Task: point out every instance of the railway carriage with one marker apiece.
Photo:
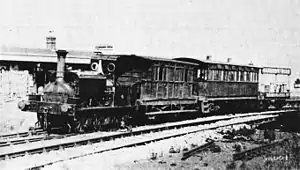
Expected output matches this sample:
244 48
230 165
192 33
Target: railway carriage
156 85
226 86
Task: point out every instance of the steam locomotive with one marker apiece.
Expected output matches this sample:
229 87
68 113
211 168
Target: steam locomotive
120 90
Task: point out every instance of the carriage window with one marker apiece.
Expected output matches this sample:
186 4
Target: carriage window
155 73
170 74
225 75
185 75
252 77
210 75
199 74
231 76
205 73
237 75
217 74
221 75
234 75
202 74
190 75
242 76
179 74
255 77
162 73
248 76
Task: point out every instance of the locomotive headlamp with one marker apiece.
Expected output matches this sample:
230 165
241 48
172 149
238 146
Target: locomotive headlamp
64 107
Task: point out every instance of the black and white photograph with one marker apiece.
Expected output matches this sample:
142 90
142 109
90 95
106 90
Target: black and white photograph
149 84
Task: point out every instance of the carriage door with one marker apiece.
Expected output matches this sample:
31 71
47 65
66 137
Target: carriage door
135 93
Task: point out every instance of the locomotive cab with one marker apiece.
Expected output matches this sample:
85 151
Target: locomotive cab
95 91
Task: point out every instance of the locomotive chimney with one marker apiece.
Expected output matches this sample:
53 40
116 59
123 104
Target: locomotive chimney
61 59
209 57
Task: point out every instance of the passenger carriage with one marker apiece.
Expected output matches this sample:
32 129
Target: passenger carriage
225 86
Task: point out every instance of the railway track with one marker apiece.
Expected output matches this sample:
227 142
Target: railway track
31 139
22 134
146 139
45 147
34 136
40 148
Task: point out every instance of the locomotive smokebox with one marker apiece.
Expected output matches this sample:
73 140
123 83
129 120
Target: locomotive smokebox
61 62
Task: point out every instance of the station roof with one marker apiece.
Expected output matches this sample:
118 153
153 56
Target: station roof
42 55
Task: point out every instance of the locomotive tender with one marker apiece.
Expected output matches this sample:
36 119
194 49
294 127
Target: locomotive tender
127 89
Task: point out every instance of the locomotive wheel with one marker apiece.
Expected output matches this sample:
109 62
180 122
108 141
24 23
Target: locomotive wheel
67 128
97 124
40 121
78 127
37 125
88 125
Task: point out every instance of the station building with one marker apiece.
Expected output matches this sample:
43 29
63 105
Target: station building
32 66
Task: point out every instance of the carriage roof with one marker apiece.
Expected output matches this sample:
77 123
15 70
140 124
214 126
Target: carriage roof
122 57
220 65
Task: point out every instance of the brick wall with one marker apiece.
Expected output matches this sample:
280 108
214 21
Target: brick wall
15 85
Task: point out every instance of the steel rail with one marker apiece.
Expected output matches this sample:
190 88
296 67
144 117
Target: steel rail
40 148
143 142
7 153
48 147
31 139
22 134
105 138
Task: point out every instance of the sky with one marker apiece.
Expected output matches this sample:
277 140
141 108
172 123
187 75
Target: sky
265 32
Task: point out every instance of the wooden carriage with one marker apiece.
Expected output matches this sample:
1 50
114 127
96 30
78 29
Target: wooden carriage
156 84
226 85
